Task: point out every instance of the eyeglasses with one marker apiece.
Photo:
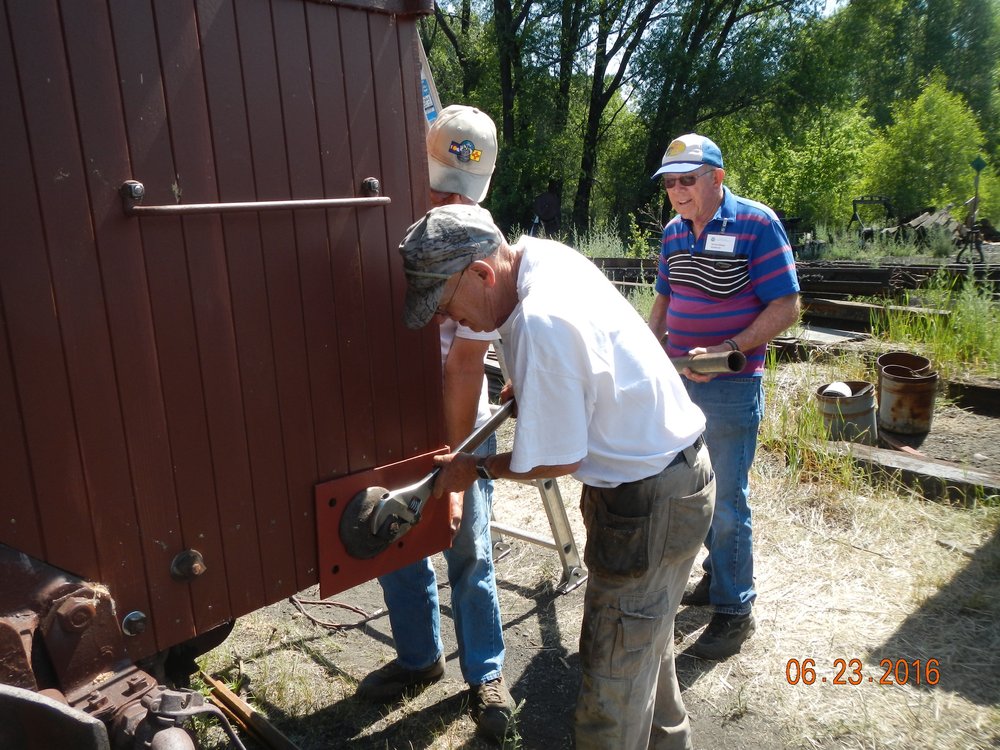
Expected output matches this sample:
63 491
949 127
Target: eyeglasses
443 309
687 180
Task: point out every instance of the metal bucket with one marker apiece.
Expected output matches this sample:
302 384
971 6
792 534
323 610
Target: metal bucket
850 418
915 362
906 403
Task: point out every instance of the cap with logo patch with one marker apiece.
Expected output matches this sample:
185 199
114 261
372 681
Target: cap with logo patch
687 153
462 151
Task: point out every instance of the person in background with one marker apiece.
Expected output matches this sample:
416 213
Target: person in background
726 282
596 398
461 154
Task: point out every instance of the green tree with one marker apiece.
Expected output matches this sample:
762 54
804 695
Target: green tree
896 44
813 172
709 59
923 157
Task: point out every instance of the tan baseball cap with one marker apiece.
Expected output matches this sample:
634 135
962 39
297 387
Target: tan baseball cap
462 151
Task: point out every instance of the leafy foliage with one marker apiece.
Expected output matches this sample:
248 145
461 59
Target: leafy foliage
881 96
812 173
923 158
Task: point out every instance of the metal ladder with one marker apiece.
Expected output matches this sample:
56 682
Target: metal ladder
574 572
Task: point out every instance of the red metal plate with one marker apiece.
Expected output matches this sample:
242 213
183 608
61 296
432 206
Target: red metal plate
338 571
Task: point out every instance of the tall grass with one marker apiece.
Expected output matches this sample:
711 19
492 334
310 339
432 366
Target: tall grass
603 242
844 244
966 341
641 298
793 424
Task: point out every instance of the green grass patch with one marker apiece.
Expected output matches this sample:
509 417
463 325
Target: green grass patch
964 342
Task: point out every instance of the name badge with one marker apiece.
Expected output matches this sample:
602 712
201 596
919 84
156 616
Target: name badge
720 243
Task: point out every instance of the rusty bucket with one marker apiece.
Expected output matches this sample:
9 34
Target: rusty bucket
906 401
850 418
915 362
919 365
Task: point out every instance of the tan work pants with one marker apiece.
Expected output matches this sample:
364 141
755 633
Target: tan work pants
642 538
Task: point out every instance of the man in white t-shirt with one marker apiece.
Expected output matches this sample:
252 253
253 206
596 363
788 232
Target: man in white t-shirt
461 155
598 399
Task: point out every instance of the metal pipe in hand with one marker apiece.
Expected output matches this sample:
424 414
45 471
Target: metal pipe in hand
712 362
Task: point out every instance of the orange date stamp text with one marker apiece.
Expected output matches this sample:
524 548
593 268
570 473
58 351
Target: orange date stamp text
852 672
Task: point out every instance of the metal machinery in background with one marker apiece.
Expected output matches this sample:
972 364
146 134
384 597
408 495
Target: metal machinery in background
199 326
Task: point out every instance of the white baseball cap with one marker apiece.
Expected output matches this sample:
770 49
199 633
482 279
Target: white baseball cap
688 152
462 151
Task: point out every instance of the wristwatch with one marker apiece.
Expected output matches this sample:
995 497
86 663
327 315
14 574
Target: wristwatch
481 469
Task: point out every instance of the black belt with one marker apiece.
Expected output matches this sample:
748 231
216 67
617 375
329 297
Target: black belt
694 448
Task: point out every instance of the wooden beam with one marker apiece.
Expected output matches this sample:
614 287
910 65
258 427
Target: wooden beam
247 716
936 479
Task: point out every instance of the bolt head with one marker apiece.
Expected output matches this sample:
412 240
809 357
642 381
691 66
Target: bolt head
76 614
134 623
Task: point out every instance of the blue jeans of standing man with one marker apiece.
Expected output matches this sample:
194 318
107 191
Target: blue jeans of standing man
411 595
733 409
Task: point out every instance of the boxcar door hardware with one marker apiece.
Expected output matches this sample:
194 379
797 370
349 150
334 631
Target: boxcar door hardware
134 623
132 193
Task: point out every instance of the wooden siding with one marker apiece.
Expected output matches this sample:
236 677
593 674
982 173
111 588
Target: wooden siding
183 382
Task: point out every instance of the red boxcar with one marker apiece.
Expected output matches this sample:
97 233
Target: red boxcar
177 376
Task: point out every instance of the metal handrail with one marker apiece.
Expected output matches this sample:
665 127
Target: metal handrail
132 193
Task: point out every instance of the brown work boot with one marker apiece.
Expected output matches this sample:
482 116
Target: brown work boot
389 682
492 708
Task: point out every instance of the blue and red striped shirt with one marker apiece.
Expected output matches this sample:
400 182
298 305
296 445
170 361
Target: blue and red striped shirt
719 283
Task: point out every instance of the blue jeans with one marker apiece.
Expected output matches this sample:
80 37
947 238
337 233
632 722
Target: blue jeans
411 595
733 408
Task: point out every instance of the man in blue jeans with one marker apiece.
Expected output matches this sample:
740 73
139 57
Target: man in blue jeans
726 282
461 153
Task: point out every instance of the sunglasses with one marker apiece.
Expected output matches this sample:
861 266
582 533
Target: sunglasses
687 180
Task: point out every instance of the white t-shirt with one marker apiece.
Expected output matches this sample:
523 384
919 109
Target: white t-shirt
449 331
591 381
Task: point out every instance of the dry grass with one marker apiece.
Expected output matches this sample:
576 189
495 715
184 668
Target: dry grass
846 570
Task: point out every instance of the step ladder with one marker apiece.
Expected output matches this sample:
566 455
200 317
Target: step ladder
574 572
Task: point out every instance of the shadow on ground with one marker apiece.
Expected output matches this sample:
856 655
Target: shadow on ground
957 628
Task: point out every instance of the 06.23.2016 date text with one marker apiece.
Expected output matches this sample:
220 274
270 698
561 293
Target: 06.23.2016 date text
852 672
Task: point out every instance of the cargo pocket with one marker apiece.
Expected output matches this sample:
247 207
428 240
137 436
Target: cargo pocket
688 522
620 644
617 545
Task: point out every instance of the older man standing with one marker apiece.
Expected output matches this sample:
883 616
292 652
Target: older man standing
597 398
726 282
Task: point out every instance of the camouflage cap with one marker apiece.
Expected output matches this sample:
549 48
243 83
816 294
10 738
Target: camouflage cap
444 242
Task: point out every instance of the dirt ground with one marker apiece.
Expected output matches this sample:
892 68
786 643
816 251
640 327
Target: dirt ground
849 574
841 576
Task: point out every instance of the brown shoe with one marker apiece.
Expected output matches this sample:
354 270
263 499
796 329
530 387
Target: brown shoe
492 708
389 682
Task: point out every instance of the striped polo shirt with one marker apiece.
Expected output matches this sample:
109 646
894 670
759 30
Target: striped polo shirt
719 283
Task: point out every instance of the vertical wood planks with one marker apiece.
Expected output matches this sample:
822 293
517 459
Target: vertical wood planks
183 382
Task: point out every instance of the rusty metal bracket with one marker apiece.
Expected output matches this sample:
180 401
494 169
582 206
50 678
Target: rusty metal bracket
168 709
133 191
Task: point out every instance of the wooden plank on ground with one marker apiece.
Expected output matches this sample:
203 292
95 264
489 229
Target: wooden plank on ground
861 312
821 336
936 479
